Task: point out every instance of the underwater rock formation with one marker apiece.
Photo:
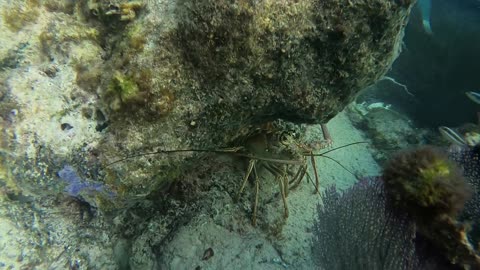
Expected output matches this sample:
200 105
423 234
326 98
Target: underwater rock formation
203 74
137 76
388 129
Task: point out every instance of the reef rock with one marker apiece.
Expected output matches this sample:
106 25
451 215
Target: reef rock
183 74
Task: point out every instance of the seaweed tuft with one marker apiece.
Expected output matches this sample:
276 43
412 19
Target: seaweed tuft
425 184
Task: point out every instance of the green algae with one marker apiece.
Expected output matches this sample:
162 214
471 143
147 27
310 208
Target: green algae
21 13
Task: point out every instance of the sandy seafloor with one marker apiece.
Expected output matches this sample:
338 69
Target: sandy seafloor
220 224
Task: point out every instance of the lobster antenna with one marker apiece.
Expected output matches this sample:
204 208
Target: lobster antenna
336 148
168 152
341 165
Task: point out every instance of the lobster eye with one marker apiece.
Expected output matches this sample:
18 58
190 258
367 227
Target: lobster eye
284 138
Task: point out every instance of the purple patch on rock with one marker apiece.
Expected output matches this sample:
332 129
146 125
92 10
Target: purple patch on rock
75 183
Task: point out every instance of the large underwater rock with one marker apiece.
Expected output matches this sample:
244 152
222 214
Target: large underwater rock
166 75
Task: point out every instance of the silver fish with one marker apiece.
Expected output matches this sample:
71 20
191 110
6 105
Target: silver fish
452 136
474 96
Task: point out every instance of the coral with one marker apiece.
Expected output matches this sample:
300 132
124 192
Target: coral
355 230
424 183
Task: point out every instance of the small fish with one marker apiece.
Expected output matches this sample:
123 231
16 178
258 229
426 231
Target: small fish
425 10
452 136
474 96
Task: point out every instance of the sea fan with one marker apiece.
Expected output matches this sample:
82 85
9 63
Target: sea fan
468 158
356 230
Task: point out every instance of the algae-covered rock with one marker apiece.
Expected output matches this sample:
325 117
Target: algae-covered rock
18 14
136 76
207 73
388 128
